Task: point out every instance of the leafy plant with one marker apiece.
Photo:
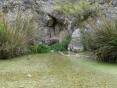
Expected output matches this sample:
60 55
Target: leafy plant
63 46
41 48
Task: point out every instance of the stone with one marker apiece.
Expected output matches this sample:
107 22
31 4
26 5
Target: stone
114 3
75 44
21 86
29 75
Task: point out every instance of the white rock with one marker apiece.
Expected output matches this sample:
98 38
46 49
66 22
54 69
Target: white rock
21 87
29 75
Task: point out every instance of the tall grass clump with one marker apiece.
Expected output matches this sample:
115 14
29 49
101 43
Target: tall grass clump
102 40
15 38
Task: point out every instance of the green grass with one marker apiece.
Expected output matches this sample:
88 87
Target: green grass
56 71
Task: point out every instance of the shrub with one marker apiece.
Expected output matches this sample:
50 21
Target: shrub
81 9
12 42
63 46
87 40
58 47
15 39
104 41
41 48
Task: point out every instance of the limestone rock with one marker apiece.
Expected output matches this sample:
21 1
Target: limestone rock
75 44
29 75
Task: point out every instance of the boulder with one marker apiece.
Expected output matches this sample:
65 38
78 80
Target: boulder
75 44
114 3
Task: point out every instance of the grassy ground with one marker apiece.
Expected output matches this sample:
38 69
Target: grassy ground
56 71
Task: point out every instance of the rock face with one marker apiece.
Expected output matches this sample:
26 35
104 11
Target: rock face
113 2
59 25
53 26
108 9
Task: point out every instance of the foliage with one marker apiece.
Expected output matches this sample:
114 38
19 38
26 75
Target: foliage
104 41
82 9
87 40
15 38
61 46
41 48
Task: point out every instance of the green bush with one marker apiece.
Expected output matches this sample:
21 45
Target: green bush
63 46
58 47
103 41
1 32
41 48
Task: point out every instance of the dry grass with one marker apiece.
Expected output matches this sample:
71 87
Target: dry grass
16 37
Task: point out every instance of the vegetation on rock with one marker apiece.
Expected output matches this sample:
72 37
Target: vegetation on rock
102 40
81 9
